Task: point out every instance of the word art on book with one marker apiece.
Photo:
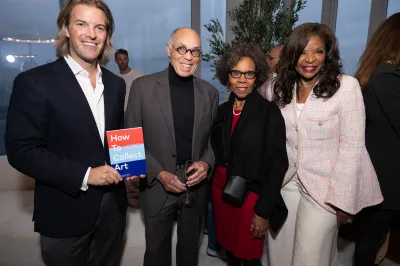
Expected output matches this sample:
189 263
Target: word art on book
126 147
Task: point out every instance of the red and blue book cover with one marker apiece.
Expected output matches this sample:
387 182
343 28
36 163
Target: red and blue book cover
126 147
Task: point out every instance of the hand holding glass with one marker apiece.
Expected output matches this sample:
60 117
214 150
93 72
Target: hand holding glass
187 199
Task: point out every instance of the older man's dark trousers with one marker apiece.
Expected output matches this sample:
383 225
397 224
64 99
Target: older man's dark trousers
159 233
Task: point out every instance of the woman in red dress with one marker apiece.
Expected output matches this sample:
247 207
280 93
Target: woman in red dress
248 138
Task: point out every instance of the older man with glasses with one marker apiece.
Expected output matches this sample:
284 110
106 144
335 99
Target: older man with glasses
176 111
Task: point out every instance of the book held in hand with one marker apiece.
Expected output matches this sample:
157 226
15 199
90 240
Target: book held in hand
126 147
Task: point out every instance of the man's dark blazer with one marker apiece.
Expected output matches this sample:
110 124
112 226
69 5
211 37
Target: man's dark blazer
382 103
51 136
149 106
256 150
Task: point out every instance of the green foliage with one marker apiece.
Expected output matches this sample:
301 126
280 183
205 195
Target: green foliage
263 22
217 44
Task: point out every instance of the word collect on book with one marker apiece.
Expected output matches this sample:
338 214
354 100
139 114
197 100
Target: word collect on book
126 148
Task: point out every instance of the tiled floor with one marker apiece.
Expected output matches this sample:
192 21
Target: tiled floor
346 250
19 244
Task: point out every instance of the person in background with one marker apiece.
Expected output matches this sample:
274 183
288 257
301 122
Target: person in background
129 75
330 176
55 133
176 111
272 58
379 76
126 72
214 249
248 138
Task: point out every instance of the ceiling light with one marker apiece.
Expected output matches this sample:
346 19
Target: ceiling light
10 58
10 39
24 56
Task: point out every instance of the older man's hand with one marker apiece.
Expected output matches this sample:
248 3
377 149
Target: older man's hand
201 169
171 182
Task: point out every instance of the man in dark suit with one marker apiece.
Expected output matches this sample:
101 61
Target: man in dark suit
176 111
382 139
55 133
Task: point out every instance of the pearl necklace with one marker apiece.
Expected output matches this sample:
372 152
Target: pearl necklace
301 106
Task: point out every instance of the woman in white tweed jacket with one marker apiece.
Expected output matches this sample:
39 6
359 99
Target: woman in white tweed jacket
330 175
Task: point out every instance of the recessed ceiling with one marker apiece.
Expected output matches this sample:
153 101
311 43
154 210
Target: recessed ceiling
36 19
32 19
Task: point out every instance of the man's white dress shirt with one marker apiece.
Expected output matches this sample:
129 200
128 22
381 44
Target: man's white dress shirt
95 99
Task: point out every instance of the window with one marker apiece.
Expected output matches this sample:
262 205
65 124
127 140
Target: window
393 7
352 31
311 12
211 9
143 29
21 19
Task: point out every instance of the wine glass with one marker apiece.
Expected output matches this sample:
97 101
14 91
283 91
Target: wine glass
187 199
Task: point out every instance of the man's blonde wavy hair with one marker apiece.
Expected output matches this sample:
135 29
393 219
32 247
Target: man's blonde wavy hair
63 20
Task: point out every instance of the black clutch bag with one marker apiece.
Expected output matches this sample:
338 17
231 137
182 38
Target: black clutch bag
235 191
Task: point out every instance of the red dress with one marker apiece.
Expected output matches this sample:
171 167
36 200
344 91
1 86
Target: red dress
232 225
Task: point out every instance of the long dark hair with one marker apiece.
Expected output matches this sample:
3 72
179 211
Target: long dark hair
286 69
384 46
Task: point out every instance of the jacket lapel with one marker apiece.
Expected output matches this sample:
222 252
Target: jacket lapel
198 112
164 101
248 108
69 83
226 137
108 97
308 105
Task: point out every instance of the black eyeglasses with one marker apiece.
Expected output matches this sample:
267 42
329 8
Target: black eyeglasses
196 52
237 74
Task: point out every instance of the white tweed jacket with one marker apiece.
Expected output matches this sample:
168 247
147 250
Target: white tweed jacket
326 147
